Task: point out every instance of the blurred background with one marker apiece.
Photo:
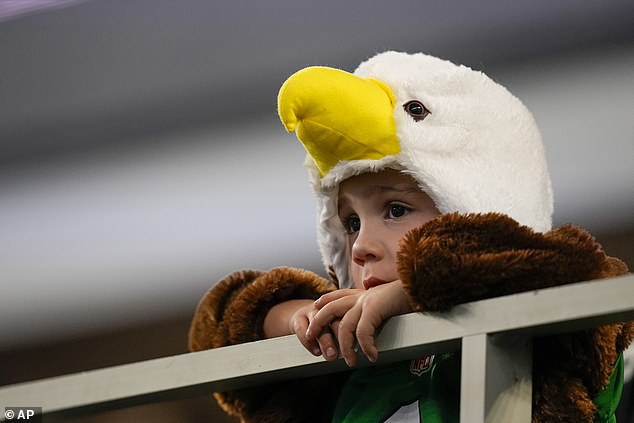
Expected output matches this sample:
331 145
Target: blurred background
141 158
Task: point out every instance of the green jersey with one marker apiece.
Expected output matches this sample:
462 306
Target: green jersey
427 390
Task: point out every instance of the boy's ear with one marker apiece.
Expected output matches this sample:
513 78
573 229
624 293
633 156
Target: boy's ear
333 276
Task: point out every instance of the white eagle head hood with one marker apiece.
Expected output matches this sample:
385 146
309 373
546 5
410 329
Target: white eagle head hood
469 143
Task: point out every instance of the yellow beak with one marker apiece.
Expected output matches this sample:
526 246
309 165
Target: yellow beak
338 116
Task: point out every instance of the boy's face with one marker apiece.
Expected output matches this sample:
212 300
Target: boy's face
377 210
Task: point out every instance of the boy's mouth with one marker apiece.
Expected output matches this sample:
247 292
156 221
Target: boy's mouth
372 282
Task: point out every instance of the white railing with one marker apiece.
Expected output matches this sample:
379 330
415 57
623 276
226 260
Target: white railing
494 335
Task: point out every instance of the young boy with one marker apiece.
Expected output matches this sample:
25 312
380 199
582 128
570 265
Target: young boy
376 211
432 190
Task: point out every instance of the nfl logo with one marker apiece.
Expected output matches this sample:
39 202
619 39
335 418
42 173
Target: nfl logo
418 366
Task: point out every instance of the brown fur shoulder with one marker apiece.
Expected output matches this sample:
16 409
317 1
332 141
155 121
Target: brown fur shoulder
233 311
205 330
459 258
245 315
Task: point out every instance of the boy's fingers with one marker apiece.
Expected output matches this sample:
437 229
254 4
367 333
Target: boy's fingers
328 346
299 327
311 346
369 323
328 314
334 327
332 296
347 335
324 344
365 337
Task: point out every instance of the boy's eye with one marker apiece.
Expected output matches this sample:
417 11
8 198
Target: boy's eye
396 210
352 224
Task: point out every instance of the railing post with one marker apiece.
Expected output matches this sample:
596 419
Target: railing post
496 381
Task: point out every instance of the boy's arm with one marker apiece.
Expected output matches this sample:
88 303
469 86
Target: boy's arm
279 319
233 312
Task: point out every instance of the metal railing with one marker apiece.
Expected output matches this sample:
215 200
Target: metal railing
494 336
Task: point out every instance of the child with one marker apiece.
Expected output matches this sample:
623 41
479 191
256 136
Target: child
432 190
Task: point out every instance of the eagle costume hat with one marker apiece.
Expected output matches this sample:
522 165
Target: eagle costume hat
476 151
472 146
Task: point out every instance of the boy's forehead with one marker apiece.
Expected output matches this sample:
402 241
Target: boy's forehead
368 184
386 180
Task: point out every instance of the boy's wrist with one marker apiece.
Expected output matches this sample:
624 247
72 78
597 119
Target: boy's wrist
277 321
404 303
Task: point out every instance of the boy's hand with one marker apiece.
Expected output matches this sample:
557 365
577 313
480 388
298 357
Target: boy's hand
355 315
323 343
292 317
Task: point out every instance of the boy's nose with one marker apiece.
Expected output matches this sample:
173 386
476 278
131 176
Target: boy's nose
366 247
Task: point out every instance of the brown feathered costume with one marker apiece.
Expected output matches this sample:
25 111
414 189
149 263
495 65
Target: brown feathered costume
476 151
450 260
